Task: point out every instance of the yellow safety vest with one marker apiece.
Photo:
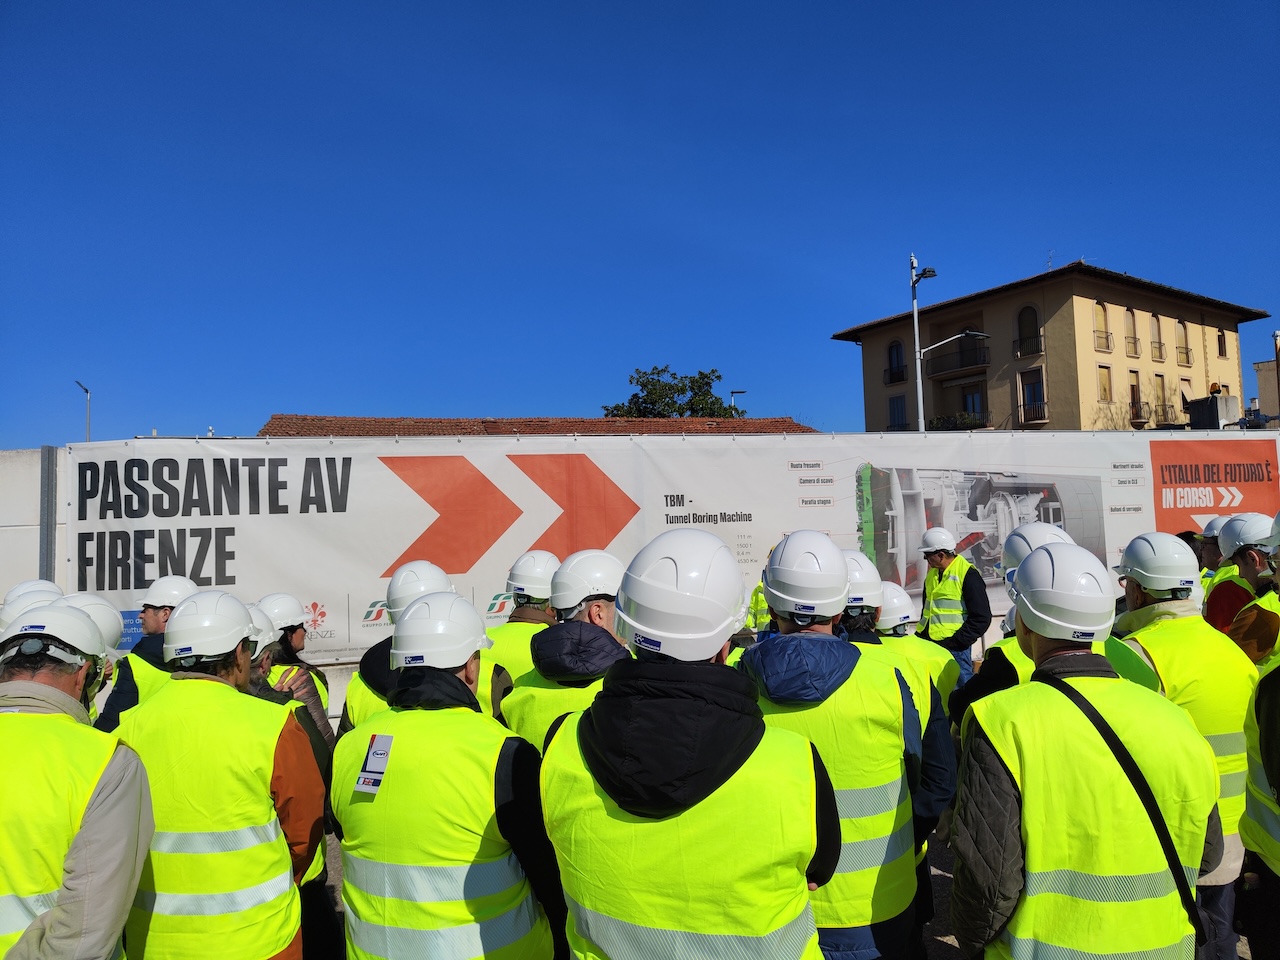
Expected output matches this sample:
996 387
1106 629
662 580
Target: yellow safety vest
287 670
943 611
147 678
876 878
757 609
362 703
218 880
1260 824
425 871
687 885
1226 572
511 646
1020 662
734 656
1096 880
50 764
941 665
1205 673
535 702
1268 601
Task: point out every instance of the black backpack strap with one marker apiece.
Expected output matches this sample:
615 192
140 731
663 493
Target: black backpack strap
1143 789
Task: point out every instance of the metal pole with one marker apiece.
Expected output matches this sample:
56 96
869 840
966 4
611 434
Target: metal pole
915 329
87 396
1276 338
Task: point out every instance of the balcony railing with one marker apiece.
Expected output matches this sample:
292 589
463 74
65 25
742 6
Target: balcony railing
1185 357
1139 411
1157 350
1028 347
1033 412
1102 341
1165 413
978 356
963 420
895 375
1132 347
899 428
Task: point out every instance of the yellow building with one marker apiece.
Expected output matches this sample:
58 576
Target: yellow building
1076 348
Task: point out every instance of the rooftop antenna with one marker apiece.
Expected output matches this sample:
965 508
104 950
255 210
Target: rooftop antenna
1049 263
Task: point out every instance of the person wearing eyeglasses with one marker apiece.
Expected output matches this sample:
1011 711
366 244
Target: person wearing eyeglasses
956 611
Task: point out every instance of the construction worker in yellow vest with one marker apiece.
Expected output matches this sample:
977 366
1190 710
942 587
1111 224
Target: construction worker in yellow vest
1244 569
858 710
1057 853
1202 671
644 791
1259 886
444 853
1207 550
893 626
77 809
289 672
141 671
369 686
529 583
955 612
570 658
238 799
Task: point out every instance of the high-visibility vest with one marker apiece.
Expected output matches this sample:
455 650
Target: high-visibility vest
1096 880
219 879
687 885
757 609
942 666
1228 572
287 670
511 646
943 611
425 872
1268 601
1260 824
876 878
362 702
147 678
535 702
1205 673
1206 578
50 764
1020 662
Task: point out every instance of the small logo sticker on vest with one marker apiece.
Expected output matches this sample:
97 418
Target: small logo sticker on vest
375 763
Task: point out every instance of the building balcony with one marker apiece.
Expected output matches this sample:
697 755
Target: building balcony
960 421
1185 357
895 375
1157 351
1028 347
1165 413
900 428
1103 341
1029 413
1132 347
1139 411
966 359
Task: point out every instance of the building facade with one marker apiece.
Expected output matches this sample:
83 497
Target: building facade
1076 348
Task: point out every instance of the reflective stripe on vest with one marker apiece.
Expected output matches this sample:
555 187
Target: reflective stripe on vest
943 610
535 702
425 871
50 765
1096 879
210 755
1204 672
1260 825
666 897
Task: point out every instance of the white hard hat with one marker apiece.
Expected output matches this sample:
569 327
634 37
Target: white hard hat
264 631
30 586
73 628
282 609
1213 528
205 626
1273 541
25 601
1064 593
1022 541
168 591
682 596
587 573
896 609
438 630
1162 564
937 538
412 580
806 576
531 574
104 614
865 588
1242 530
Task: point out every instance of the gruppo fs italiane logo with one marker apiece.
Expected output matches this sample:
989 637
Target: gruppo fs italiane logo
313 616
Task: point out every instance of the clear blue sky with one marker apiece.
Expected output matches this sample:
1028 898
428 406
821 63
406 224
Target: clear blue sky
212 212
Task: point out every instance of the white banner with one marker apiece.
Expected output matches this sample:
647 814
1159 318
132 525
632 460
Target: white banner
329 520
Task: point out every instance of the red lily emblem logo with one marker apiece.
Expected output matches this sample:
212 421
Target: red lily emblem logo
314 615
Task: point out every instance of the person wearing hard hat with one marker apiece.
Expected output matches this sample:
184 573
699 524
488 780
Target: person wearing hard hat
956 611
860 714
1207 550
289 672
77 807
1067 784
142 671
444 851
529 583
369 686
1244 568
893 626
643 792
238 799
1256 628
571 657
1202 671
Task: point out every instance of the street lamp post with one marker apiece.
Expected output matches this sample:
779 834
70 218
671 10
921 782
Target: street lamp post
86 409
1276 338
733 397
924 274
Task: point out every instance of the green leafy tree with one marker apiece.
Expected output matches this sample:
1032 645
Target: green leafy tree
662 393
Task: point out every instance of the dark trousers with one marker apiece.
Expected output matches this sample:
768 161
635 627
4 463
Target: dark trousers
1217 906
1256 914
322 935
965 659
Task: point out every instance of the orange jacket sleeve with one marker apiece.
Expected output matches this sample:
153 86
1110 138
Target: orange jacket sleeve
298 793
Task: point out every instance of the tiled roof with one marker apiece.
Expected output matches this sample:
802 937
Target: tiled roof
308 425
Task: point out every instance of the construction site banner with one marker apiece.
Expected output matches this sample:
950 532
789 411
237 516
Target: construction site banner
329 520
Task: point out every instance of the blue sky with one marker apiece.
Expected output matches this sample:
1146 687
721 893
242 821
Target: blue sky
212 212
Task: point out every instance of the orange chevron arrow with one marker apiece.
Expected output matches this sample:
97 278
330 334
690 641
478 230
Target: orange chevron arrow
473 513
594 507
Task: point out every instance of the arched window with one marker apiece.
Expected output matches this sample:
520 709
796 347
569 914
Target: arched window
1222 342
1028 343
1132 345
1157 339
1183 343
1101 332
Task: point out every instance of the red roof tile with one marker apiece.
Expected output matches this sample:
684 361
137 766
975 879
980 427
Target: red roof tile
308 425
